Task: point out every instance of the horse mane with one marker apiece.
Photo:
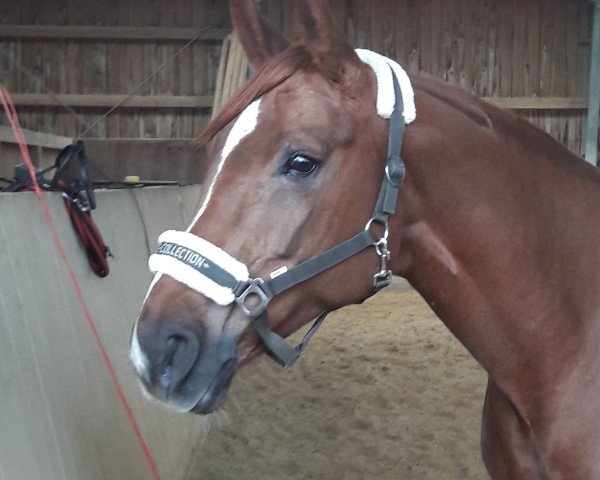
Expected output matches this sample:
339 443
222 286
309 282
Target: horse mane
490 117
453 95
273 73
276 71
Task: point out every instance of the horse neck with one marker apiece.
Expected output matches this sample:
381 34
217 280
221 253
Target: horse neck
495 216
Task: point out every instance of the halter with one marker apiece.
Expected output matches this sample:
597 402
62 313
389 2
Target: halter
205 267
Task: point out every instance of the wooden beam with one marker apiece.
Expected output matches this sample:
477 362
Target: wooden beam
35 139
539 103
93 32
206 101
99 100
593 118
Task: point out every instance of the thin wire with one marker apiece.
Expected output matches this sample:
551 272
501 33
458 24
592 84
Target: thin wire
149 77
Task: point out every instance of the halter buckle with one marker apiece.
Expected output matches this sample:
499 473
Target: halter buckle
397 172
254 289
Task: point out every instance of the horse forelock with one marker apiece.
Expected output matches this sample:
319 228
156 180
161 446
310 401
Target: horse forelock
297 58
272 74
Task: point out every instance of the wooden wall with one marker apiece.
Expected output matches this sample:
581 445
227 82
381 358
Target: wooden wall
493 48
111 66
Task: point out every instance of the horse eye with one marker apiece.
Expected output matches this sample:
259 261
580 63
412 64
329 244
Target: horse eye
300 166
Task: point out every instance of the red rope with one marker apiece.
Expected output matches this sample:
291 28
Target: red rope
18 133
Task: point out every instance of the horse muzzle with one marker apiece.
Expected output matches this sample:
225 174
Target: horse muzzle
180 367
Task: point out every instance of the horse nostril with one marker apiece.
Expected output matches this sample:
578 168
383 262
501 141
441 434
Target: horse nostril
174 344
179 353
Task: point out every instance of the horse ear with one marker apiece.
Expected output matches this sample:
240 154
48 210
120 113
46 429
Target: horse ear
320 33
260 39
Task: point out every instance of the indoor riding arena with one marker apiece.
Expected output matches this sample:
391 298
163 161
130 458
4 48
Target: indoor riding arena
104 103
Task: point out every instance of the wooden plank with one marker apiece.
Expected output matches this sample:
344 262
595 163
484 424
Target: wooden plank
192 101
561 72
447 32
400 22
93 32
363 35
505 46
435 38
150 159
548 66
593 118
35 139
468 75
412 35
228 87
221 74
539 103
493 80
181 77
99 100
519 51
533 54
425 36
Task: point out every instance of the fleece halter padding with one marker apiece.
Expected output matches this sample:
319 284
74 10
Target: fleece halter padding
386 98
199 264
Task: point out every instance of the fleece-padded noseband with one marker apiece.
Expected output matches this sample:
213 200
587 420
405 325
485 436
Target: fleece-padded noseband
199 264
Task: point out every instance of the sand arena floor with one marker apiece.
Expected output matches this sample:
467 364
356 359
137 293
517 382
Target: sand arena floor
384 391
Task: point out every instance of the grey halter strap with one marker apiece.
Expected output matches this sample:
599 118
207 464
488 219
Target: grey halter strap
253 296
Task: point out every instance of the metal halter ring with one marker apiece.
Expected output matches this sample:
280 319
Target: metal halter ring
384 223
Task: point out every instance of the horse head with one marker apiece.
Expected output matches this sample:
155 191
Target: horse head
298 156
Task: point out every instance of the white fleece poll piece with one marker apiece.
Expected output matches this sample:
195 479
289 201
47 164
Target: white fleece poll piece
386 98
191 249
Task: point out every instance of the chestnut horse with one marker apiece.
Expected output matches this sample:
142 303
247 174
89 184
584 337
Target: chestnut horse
493 227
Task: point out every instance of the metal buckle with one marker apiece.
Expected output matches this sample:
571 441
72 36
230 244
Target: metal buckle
384 276
254 288
396 177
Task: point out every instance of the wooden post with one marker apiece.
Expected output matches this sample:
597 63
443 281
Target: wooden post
221 75
593 118
585 35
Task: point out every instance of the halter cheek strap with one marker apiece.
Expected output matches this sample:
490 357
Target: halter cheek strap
214 273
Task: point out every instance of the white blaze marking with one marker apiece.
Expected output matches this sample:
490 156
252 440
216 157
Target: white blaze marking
244 126
137 356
